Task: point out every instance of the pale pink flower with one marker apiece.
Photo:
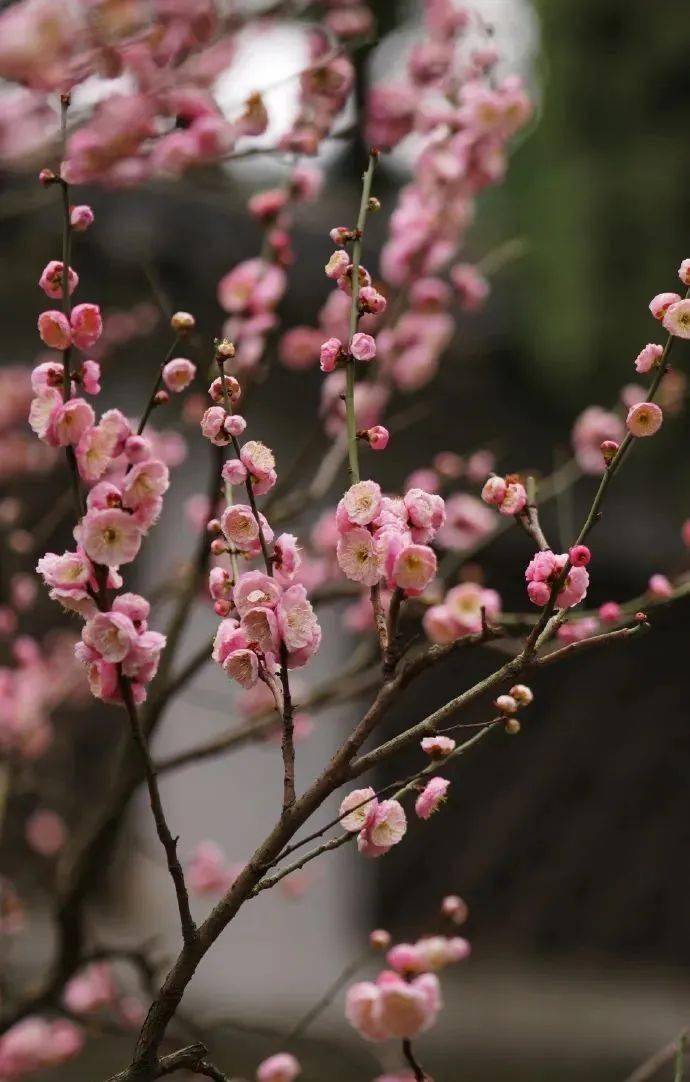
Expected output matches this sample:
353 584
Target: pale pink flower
468 520
261 629
506 704
54 329
70 571
45 832
118 428
409 1008
258 458
363 347
659 586
51 279
514 500
213 426
254 588
94 452
71 420
90 376
648 357
337 264
252 286
287 557
110 634
207 870
363 1011
242 666
229 636
644 419
414 568
283 1067
610 612
455 908
41 412
677 319
432 797
437 746
660 304
362 502
86 324
358 556
235 425
90 990
494 490
437 951
242 529
386 828
145 481
81 217
110 537
357 809
297 622
178 374
470 285
234 472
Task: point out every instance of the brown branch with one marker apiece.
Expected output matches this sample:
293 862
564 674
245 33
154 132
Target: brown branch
659 1059
417 1070
193 1058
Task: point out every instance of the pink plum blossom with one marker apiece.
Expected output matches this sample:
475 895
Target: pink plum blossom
282 1067
644 419
432 797
178 374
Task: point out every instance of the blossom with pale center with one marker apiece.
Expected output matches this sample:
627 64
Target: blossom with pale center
110 634
178 374
86 325
54 329
414 568
358 556
362 502
357 809
255 588
644 419
110 537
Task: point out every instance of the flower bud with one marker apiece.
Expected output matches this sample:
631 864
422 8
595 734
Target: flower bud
506 704
213 526
522 694
182 322
608 450
380 939
225 349
47 177
161 398
221 607
218 547
579 555
455 909
512 726
374 203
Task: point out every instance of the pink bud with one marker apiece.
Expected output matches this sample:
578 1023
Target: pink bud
580 555
81 217
660 304
378 437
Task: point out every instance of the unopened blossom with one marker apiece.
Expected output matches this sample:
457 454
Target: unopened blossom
648 357
506 704
514 500
110 537
494 490
363 347
455 908
51 280
431 798
414 568
178 374
232 387
522 694
358 556
378 437
545 569
81 217
54 329
684 272
659 586
235 425
265 206
677 319
331 350
234 472
357 809
579 555
380 939
371 301
644 419
283 1067
660 304
438 747
86 325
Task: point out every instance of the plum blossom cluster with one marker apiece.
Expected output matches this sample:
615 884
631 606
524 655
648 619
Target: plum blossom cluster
387 538
36 1044
268 623
567 571
505 493
405 999
165 61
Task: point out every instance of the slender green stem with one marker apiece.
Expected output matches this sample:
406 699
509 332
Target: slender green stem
352 450
157 383
679 1070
